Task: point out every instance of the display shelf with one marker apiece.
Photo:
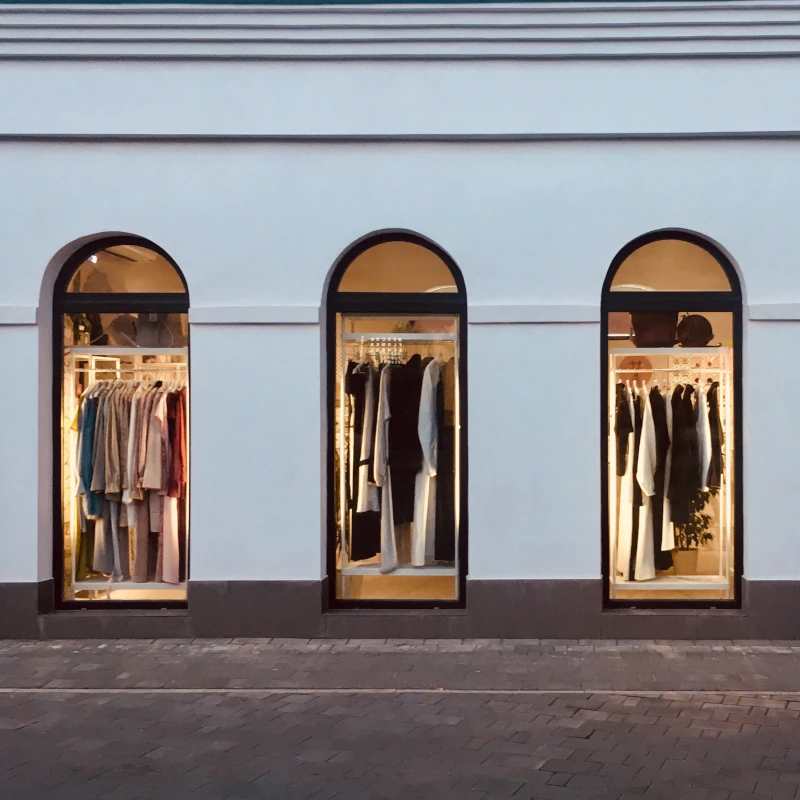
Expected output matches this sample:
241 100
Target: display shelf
112 352
102 586
667 351
406 571
673 583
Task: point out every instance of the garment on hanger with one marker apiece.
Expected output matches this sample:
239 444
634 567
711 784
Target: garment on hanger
681 482
691 406
131 464
662 559
623 427
703 438
625 433
361 384
667 529
399 434
445 544
423 538
405 451
643 566
638 419
714 476
368 494
383 471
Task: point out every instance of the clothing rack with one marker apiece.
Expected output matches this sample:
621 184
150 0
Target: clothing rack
693 372
384 343
101 351
400 337
89 362
176 367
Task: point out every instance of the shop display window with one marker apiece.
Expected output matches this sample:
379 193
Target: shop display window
396 426
123 428
672 349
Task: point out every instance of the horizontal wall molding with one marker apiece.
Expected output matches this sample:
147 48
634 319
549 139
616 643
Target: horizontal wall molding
743 28
201 138
774 312
254 315
532 314
17 315
490 314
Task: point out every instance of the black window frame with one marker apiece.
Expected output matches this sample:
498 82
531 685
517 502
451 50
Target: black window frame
405 304
731 302
65 302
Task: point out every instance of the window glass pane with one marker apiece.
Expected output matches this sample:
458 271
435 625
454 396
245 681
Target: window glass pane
126 268
671 456
125 508
135 329
397 479
670 265
398 267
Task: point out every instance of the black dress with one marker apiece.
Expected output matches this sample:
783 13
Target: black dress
405 450
637 490
693 480
662 558
684 480
714 478
623 427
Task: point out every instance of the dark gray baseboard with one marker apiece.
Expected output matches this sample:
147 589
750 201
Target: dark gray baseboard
116 624
526 609
20 604
535 609
256 608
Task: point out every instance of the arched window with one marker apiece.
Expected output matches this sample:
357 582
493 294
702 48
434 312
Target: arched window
396 418
671 349
121 345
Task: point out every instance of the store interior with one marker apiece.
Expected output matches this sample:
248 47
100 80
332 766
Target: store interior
671 438
397 435
124 434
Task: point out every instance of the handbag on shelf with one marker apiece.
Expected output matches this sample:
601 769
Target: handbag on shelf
654 328
694 330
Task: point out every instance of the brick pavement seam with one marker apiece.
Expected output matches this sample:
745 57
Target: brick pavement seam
672 694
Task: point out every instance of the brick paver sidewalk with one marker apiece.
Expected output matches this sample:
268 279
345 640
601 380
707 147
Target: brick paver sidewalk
438 720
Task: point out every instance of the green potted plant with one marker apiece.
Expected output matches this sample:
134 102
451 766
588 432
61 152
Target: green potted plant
696 532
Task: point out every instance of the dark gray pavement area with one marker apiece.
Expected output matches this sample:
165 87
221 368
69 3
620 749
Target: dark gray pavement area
293 719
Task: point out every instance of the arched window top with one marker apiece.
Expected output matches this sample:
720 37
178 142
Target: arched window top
398 266
671 262
124 268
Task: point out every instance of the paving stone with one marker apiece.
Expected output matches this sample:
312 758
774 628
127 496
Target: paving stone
327 720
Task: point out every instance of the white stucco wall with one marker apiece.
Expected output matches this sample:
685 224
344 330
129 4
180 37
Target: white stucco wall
535 224
256 225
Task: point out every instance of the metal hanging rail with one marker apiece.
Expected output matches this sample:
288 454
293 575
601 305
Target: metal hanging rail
396 338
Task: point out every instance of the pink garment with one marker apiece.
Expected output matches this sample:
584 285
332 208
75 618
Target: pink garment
169 546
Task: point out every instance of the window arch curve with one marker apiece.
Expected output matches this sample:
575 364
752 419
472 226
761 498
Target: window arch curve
396 387
121 358
671 354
